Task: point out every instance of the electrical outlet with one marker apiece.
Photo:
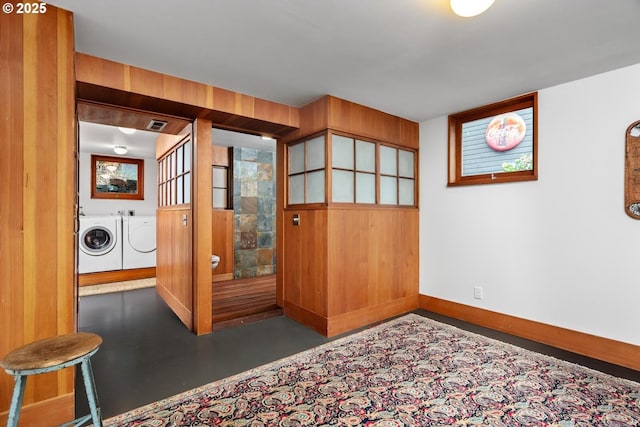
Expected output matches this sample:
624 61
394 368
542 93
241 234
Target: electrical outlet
477 292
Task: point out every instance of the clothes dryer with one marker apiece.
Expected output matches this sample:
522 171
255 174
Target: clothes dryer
139 242
99 243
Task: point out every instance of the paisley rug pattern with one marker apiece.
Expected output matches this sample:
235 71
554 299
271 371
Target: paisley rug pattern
410 371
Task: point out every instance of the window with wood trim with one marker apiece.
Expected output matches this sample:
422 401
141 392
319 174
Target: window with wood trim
361 172
494 143
306 171
174 176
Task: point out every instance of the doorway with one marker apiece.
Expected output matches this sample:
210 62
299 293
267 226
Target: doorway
244 228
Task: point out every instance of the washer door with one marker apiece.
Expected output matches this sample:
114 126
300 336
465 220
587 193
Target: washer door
97 241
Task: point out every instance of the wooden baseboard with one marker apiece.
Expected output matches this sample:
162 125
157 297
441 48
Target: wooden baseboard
221 277
101 277
356 319
184 314
50 412
338 324
616 352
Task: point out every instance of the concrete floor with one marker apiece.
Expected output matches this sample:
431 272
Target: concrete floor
148 355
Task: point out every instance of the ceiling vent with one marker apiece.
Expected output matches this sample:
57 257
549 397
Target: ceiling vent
156 125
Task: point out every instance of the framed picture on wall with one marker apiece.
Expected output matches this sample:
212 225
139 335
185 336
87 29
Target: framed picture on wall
495 143
117 178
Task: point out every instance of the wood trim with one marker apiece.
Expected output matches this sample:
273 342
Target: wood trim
308 318
201 201
338 114
183 313
221 277
632 172
109 82
98 278
355 319
616 352
50 412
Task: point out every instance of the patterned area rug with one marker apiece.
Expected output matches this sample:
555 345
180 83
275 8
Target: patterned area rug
410 371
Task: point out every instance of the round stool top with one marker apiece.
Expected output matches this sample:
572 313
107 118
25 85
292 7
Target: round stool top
50 352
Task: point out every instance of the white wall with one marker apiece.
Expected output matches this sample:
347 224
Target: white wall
559 250
107 207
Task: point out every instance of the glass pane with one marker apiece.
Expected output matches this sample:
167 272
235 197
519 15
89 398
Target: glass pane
220 177
296 189
315 153
406 192
172 160
179 199
365 188
388 160
405 163
220 198
388 190
315 187
365 156
342 186
187 156
179 159
187 188
342 152
172 192
296 158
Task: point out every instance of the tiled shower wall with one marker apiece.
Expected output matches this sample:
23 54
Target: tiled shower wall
254 204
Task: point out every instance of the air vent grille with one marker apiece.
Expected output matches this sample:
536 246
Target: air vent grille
156 125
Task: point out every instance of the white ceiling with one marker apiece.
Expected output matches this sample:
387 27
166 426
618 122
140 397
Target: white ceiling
411 58
100 139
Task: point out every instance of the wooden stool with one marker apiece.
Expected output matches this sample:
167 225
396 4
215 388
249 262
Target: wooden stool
48 355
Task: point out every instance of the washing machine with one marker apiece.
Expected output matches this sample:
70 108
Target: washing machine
99 243
138 241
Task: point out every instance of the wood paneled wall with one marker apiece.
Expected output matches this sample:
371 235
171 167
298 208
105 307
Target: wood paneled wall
338 114
109 82
346 267
38 179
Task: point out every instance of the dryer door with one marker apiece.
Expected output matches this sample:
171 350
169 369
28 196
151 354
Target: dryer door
142 236
97 241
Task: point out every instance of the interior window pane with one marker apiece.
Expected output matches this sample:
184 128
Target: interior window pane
315 187
365 188
342 186
220 198
405 163
220 177
187 156
296 189
342 152
296 158
179 159
187 188
388 190
388 162
315 153
179 198
405 193
365 156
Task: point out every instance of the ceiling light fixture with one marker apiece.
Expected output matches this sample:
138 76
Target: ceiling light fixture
468 8
120 149
267 138
127 131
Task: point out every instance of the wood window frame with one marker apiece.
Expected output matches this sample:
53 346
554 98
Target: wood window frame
96 194
456 122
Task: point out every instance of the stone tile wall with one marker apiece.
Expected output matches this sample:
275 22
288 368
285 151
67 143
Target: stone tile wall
254 204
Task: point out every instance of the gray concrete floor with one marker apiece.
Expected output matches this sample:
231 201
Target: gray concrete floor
148 355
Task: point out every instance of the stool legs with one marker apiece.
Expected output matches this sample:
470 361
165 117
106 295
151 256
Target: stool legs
90 388
16 400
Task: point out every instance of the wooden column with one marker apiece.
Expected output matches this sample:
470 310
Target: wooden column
37 201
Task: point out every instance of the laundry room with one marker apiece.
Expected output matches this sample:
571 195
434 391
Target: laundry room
117 201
